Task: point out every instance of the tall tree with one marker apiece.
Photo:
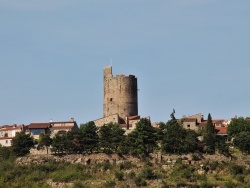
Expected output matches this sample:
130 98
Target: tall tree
143 139
22 144
209 136
238 125
176 139
44 141
242 141
89 136
111 137
61 144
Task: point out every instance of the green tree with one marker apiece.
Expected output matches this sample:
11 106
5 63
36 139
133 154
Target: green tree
238 125
143 139
44 141
176 139
209 136
22 143
61 144
242 141
111 137
90 138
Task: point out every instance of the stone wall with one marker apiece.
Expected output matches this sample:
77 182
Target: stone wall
112 118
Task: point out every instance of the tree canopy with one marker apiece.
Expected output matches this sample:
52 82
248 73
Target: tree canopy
209 136
22 143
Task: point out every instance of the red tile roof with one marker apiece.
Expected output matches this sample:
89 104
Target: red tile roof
203 123
221 130
11 127
189 119
39 125
133 117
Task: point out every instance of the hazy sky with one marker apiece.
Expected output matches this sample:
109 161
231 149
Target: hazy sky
190 55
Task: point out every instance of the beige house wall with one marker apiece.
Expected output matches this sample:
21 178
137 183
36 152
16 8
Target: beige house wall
190 125
6 142
112 118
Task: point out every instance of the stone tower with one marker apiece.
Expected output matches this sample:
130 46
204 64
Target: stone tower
120 95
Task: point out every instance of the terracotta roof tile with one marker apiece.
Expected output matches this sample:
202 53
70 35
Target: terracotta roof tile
133 117
221 130
39 125
190 119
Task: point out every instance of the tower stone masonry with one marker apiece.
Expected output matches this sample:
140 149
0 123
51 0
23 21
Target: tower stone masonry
120 95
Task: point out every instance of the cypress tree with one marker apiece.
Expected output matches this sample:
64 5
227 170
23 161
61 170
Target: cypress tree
210 136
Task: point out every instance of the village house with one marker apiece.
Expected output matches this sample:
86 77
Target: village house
196 123
8 132
52 128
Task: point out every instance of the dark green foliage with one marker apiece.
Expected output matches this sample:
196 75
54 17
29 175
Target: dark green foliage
44 141
119 175
238 125
21 144
140 182
222 146
209 136
61 144
206 184
6 153
142 140
236 169
126 165
89 137
147 173
111 137
78 184
242 141
176 139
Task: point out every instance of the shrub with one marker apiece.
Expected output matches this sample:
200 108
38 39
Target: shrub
131 175
148 173
78 184
205 184
214 165
230 184
126 165
236 169
139 181
195 157
119 175
110 183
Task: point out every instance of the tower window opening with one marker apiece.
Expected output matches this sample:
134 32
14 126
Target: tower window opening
111 99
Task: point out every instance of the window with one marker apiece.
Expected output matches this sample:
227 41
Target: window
188 126
6 141
111 99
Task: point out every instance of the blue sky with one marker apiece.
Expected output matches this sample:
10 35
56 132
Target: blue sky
190 55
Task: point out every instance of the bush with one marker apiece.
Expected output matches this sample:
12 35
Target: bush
230 184
148 173
110 183
214 165
119 175
78 184
205 184
126 165
236 169
139 181
131 175
195 157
